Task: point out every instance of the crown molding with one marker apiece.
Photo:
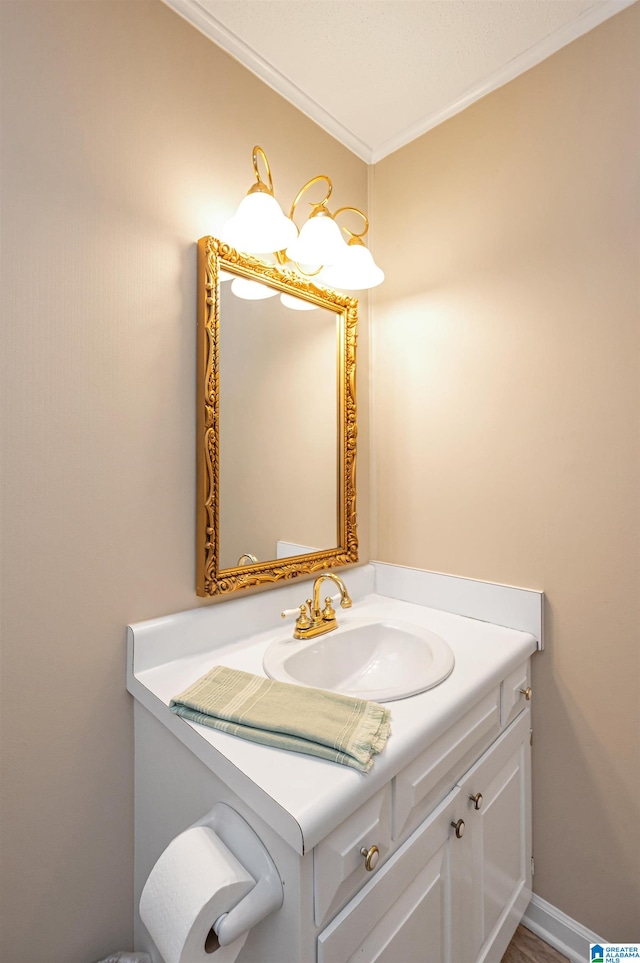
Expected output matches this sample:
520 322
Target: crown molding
549 45
200 17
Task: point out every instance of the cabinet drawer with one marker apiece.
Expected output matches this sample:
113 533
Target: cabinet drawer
427 780
512 697
338 865
404 913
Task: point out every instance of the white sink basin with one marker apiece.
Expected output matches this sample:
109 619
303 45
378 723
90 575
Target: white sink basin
378 659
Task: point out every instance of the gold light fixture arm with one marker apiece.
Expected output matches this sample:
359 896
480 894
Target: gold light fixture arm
353 235
281 257
260 184
315 204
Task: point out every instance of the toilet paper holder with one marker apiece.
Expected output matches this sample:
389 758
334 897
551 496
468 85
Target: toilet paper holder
267 895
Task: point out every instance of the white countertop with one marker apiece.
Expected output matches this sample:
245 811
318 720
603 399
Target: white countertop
303 797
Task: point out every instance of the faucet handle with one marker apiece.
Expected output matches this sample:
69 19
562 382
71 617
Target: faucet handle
303 621
328 611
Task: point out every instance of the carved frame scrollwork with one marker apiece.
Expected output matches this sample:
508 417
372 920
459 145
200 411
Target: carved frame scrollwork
214 256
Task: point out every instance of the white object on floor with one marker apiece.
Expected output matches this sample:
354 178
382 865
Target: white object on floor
124 957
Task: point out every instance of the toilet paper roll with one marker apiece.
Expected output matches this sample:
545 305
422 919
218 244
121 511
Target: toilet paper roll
195 881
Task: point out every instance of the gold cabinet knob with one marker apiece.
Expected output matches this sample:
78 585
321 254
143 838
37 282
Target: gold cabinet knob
459 828
371 857
526 693
476 800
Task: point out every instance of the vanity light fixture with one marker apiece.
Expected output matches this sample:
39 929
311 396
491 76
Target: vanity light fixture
356 269
259 224
319 250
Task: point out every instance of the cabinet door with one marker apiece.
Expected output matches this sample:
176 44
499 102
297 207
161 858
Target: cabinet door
498 885
403 915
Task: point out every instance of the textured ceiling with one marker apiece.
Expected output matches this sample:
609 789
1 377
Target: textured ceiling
378 73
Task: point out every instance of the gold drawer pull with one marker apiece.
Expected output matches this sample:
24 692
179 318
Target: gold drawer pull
526 693
459 828
371 857
476 800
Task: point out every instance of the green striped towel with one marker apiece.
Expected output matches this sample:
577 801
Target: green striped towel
313 721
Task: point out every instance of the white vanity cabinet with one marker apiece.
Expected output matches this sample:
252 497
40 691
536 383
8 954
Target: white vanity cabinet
456 889
437 894
434 896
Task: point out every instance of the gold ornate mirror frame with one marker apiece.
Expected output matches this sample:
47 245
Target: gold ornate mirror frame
215 256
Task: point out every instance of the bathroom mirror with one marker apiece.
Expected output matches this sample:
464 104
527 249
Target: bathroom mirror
276 423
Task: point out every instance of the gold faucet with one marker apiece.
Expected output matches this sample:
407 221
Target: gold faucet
313 620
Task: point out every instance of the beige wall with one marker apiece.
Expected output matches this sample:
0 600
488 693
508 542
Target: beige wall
506 419
126 136
506 416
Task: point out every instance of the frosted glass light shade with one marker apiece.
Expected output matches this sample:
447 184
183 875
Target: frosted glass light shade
259 226
356 271
297 304
251 290
320 242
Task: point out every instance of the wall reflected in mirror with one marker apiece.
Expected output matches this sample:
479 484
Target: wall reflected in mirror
278 429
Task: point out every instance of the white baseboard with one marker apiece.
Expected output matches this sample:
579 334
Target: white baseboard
558 930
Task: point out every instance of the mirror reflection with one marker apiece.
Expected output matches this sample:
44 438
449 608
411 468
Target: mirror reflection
278 427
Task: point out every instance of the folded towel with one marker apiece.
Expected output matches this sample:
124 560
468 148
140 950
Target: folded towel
314 721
